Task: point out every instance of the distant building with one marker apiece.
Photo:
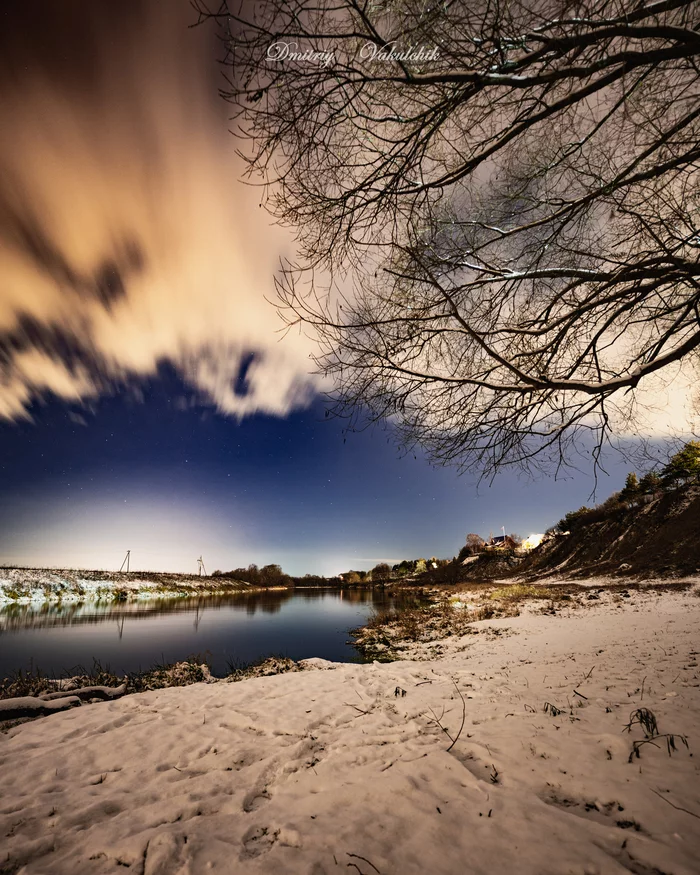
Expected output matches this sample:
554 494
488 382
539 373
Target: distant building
531 542
502 542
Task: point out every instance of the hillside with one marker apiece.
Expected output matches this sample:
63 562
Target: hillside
660 538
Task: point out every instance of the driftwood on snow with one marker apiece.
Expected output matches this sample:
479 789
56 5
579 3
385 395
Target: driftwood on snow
49 703
31 706
85 693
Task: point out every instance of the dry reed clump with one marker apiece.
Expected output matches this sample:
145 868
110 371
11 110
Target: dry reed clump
515 593
270 665
34 682
419 623
646 719
387 631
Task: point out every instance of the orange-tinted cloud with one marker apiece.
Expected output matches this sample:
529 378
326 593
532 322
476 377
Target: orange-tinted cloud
126 238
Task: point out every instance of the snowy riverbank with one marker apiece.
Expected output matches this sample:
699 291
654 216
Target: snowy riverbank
25 586
315 771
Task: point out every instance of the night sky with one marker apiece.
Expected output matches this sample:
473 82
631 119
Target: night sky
147 399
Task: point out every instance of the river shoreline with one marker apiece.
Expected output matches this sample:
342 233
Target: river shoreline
456 610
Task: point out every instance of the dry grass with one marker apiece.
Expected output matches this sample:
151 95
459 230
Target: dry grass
35 682
386 632
515 593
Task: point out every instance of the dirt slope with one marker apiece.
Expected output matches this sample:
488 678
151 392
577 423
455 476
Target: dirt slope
661 537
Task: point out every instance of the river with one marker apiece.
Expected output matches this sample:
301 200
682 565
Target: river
226 631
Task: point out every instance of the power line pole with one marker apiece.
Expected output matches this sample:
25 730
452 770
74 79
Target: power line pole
126 562
201 568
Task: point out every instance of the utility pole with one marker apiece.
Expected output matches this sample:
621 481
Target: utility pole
201 568
126 562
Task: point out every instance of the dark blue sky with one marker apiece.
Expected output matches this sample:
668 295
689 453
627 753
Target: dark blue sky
156 472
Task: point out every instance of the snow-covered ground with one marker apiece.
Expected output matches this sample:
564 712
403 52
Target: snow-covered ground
338 770
25 586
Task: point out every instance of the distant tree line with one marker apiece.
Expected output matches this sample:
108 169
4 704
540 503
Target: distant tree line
267 576
273 575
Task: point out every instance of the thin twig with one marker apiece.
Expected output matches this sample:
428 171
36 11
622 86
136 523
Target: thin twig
437 720
364 860
677 807
348 705
464 716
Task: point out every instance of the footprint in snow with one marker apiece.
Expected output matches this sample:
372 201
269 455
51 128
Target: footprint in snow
259 840
255 799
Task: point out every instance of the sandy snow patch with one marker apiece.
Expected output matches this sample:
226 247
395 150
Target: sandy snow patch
297 773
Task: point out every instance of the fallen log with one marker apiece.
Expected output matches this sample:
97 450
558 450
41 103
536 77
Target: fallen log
86 693
31 706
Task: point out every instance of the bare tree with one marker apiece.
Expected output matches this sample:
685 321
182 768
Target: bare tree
474 543
498 235
381 572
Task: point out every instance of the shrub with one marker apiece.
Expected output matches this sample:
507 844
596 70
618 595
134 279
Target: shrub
631 489
573 519
381 572
650 482
684 466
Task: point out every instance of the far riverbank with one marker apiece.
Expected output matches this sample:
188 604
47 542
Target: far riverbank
32 585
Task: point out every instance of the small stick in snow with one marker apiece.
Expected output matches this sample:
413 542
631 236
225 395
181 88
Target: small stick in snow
677 807
348 705
576 693
464 716
364 860
437 720
589 674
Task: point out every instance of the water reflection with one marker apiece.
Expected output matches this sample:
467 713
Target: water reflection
240 627
14 617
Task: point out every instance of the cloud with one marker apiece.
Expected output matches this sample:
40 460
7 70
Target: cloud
126 239
666 405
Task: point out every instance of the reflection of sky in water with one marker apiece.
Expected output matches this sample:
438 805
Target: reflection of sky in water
224 628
